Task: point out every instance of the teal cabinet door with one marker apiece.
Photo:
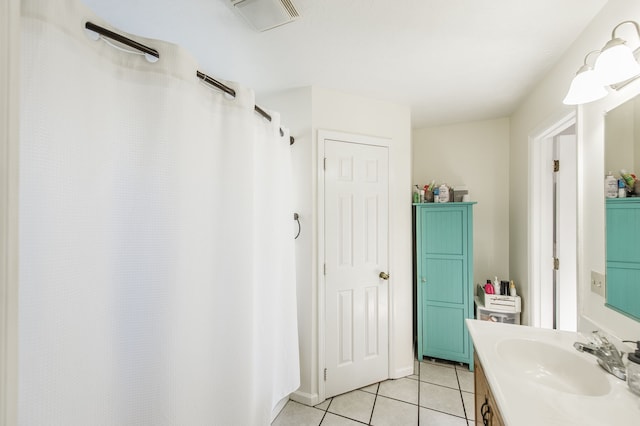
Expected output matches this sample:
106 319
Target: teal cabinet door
623 256
444 280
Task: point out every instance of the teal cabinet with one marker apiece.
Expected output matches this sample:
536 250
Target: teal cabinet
444 280
623 256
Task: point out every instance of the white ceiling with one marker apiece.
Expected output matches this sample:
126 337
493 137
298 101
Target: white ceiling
449 60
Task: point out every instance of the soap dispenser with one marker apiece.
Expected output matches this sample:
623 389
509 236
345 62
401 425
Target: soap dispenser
633 370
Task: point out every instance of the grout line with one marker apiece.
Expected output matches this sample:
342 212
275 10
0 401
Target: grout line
348 418
325 411
374 403
464 407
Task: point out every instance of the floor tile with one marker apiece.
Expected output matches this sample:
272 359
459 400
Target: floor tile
296 414
441 398
334 420
402 389
371 388
356 405
323 405
389 412
469 401
438 375
435 418
465 378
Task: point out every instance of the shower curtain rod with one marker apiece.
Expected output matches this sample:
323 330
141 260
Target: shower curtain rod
228 90
153 52
121 39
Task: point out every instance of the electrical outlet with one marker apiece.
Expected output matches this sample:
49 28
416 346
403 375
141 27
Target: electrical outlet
598 283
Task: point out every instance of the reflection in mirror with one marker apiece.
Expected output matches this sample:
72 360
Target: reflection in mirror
622 152
622 138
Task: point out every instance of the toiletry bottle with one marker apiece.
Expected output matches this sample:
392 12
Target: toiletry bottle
622 190
488 288
436 195
633 370
610 186
416 195
444 193
512 289
496 285
422 199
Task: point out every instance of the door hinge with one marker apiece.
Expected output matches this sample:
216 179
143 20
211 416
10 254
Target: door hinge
556 263
325 374
324 269
556 165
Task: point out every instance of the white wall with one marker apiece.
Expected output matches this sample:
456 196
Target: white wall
294 106
474 154
539 110
305 111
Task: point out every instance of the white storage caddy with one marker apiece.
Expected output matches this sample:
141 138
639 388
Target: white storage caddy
498 308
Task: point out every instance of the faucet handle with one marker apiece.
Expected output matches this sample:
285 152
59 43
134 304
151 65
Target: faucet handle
596 338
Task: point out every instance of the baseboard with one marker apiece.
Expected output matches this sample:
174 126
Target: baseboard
305 398
279 406
402 372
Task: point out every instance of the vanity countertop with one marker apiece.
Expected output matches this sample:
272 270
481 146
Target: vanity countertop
538 378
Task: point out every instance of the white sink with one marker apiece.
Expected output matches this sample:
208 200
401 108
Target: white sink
553 367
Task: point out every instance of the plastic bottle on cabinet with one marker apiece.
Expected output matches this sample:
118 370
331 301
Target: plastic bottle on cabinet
622 189
610 186
444 193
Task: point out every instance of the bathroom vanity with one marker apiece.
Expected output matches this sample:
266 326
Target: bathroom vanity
532 376
487 411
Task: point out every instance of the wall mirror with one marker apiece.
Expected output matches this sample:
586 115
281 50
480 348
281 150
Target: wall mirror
622 138
622 151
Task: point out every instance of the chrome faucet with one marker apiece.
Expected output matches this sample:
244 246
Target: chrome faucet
608 356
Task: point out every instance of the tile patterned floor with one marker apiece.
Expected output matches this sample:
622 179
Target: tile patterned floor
439 394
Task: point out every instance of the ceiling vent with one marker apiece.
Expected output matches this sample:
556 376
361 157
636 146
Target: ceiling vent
266 14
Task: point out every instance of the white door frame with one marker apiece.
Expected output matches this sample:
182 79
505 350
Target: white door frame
537 262
9 146
351 138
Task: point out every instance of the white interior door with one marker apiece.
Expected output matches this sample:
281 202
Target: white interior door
566 234
356 215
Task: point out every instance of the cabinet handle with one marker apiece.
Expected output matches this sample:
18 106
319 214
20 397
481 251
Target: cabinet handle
485 410
424 280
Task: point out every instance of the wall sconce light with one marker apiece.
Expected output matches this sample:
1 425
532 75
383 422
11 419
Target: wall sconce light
586 86
615 64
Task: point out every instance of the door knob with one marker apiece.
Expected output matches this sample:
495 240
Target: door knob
384 275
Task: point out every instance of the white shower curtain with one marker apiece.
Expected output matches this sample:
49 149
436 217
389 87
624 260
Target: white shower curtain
156 246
